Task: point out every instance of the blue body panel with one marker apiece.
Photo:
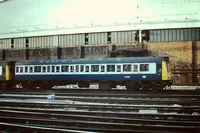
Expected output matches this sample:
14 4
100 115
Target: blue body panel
99 77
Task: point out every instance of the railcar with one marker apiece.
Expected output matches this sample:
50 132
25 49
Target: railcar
132 72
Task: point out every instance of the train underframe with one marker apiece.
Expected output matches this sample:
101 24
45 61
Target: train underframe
106 85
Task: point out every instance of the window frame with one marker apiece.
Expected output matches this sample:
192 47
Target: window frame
21 68
35 68
88 68
145 69
43 69
128 64
118 69
103 65
17 69
31 67
137 68
57 70
66 68
83 70
95 65
26 69
112 68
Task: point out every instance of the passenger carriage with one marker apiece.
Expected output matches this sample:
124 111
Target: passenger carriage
132 72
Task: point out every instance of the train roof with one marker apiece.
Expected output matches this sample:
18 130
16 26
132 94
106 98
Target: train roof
95 61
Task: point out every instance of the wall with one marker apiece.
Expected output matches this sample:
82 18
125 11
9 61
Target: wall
181 56
69 40
171 35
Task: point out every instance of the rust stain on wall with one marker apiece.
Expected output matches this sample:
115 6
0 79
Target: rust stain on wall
180 53
198 54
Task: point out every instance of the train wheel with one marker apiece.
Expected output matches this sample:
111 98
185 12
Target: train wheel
105 86
133 87
45 86
29 86
83 85
113 85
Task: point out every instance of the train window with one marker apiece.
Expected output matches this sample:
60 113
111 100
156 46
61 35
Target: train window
110 68
135 68
57 68
94 68
77 68
26 69
21 69
31 69
127 68
48 69
82 68
103 68
17 70
71 68
159 68
52 69
37 69
65 68
44 69
118 68
144 67
4 70
87 68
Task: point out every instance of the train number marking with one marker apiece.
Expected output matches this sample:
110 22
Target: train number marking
126 77
144 76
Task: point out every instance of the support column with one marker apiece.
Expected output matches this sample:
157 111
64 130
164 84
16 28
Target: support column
27 53
194 62
140 36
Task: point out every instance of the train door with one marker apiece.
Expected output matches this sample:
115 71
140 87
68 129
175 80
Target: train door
10 71
1 73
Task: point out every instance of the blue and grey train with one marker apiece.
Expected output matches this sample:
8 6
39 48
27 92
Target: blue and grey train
132 72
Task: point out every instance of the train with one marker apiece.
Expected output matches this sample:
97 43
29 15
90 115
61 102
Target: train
135 73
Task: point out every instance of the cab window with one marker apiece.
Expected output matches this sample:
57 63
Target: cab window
159 68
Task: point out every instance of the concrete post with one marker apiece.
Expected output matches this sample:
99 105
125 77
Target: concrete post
140 36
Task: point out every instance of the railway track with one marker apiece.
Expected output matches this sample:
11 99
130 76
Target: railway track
100 112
